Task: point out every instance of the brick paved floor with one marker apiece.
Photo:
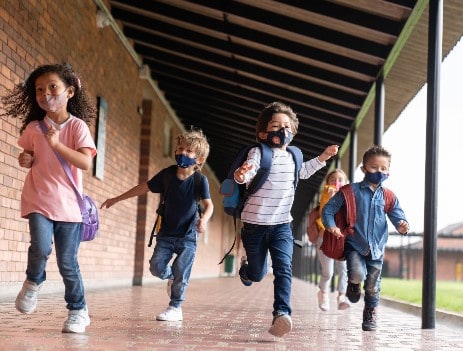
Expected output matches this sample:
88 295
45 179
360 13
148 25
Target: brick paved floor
219 314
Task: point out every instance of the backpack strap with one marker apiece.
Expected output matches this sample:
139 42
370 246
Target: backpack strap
389 199
298 158
263 171
351 208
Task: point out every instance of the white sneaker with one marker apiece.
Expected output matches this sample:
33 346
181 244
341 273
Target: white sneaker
171 314
343 304
26 301
77 321
323 301
281 325
169 287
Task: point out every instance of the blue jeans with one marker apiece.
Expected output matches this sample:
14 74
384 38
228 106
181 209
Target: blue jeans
364 268
185 249
258 240
67 237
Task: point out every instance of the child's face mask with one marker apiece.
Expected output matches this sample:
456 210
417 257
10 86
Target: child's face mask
279 138
53 103
338 184
184 161
376 178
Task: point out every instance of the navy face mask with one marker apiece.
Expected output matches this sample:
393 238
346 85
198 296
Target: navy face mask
279 138
184 161
376 178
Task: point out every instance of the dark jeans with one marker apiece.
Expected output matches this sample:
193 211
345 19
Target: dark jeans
258 240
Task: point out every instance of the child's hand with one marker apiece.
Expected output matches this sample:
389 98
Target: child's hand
108 203
403 227
240 172
335 231
52 137
201 225
25 159
329 152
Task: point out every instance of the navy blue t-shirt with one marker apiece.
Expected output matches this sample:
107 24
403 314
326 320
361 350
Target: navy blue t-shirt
181 213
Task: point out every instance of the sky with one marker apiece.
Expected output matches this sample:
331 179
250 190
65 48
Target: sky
406 140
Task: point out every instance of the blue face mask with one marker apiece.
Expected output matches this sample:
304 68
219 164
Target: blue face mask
376 178
184 161
279 138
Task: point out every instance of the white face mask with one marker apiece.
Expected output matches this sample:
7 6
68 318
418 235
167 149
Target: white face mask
53 103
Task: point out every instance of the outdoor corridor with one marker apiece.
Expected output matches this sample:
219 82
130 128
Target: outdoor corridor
218 314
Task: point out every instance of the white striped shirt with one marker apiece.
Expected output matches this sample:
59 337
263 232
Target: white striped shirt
272 203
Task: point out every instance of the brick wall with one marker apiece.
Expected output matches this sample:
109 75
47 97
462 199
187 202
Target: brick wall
35 33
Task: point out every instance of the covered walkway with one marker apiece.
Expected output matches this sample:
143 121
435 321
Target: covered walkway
219 314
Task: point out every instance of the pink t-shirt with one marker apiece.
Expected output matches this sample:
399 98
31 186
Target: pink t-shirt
47 189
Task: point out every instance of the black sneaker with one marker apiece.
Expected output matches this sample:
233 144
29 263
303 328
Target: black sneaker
353 292
369 319
242 272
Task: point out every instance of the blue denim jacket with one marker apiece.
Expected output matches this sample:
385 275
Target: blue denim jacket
371 227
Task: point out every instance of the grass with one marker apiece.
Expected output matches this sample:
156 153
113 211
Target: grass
449 294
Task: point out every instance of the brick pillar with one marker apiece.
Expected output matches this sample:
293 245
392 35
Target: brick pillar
140 241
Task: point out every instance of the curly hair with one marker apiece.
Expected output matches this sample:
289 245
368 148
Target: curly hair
196 140
267 113
21 101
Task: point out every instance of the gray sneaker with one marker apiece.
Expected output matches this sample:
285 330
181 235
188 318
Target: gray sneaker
77 321
26 301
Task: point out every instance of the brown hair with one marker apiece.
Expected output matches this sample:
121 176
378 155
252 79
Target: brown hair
375 150
267 113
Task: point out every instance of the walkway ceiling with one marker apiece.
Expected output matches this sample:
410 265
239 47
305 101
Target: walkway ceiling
220 62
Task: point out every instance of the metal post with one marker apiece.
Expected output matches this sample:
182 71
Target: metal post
353 154
428 317
379 110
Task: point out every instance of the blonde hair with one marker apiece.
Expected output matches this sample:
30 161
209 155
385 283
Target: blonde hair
337 170
197 141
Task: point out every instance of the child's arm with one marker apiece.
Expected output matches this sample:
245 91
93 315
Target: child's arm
138 190
328 212
329 152
26 158
240 173
403 227
81 158
206 215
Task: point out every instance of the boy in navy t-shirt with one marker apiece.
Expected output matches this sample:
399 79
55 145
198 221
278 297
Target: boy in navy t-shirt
181 221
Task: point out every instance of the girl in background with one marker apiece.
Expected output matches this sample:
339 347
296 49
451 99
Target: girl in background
334 181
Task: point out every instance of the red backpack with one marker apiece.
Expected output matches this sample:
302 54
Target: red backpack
313 231
345 218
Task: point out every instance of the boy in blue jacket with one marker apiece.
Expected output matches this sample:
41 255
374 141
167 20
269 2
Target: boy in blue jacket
364 251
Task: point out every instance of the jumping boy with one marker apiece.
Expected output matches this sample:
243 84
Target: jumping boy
266 214
364 251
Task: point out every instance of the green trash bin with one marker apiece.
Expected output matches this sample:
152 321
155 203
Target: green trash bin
229 263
